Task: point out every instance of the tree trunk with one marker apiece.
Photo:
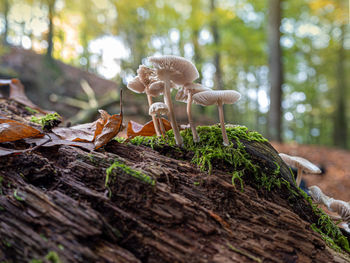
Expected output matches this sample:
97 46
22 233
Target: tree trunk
340 122
51 14
218 81
6 21
275 70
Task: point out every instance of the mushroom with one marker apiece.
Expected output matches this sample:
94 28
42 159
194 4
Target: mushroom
180 71
342 208
303 165
137 86
318 196
218 97
185 95
159 108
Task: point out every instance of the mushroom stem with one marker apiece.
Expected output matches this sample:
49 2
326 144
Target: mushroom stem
162 128
169 103
299 176
222 123
190 120
154 118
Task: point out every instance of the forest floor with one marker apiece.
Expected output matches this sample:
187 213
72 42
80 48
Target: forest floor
335 181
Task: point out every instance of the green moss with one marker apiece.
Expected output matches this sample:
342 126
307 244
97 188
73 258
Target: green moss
48 121
239 251
117 168
329 231
53 257
18 198
31 111
210 149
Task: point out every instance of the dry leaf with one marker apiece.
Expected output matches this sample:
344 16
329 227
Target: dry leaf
6 151
84 132
80 133
51 139
110 130
136 129
11 130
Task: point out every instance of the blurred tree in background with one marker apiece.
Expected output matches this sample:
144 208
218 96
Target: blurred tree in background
232 42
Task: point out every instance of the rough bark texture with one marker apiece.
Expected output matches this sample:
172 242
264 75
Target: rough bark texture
340 119
55 199
275 70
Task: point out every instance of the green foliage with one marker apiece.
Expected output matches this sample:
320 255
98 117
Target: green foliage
210 148
18 198
51 257
48 121
31 111
329 232
117 168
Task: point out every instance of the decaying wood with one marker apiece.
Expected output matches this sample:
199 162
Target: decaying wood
55 199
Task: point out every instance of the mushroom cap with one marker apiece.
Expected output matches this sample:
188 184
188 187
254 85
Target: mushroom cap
341 207
316 193
156 88
211 97
299 162
158 108
177 69
147 75
193 88
136 85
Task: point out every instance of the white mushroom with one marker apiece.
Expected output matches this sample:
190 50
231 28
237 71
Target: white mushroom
137 86
318 196
159 108
303 166
185 95
180 71
342 208
218 97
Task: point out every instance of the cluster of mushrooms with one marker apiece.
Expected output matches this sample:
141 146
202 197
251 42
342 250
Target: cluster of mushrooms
173 72
340 207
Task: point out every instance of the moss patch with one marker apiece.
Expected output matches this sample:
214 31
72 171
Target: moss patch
48 121
210 150
118 168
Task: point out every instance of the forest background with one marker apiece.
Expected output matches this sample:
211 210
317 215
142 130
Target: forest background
288 59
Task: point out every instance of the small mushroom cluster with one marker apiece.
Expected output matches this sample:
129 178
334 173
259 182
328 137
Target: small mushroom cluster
173 72
340 207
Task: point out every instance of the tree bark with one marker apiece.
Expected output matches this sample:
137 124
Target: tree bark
275 70
218 81
51 14
6 21
54 202
340 118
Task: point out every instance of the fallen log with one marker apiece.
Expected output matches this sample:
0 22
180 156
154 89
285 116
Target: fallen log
132 203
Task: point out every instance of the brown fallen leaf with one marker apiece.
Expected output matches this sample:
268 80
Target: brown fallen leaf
136 129
51 139
86 132
17 93
110 130
11 130
100 132
81 133
6 151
